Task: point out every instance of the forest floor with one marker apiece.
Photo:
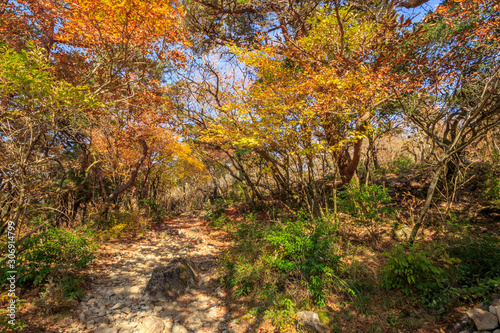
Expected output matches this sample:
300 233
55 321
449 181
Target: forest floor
115 302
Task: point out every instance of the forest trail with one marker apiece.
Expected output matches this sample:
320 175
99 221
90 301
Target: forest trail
115 302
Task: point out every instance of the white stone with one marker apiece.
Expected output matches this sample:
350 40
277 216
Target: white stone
493 310
117 306
483 320
106 329
194 322
168 326
310 320
179 329
90 324
219 292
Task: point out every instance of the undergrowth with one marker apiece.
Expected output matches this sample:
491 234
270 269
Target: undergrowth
461 269
283 266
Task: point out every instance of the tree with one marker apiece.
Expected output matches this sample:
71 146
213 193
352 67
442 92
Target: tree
309 97
449 82
39 116
115 52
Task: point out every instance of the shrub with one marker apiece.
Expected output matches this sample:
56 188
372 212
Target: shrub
270 257
244 267
491 182
412 268
156 211
479 255
53 298
219 222
478 272
120 222
421 272
217 213
5 326
491 186
468 270
72 287
51 251
401 165
283 314
305 247
367 205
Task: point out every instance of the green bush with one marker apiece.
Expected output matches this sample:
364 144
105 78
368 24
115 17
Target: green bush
220 221
118 223
401 165
478 273
156 211
236 192
305 248
72 286
51 251
425 273
412 268
491 181
491 186
479 256
300 251
5 324
282 314
53 298
217 213
244 269
468 270
368 205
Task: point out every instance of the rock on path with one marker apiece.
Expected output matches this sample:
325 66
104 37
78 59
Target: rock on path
117 303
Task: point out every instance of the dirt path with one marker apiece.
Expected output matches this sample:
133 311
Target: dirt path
116 303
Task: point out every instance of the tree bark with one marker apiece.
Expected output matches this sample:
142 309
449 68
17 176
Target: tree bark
428 200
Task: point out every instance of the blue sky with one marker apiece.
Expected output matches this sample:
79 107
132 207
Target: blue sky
418 13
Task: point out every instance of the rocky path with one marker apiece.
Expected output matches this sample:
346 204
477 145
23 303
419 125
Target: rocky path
116 302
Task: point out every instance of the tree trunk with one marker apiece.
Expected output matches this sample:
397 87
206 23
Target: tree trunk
428 200
127 185
348 165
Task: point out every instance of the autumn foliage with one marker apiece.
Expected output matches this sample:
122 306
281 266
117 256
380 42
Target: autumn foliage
307 115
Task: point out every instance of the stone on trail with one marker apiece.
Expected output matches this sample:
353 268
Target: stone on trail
173 279
493 310
219 292
484 320
310 320
401 233
194 322
179 329
151 325
194 231
168 325
105 329
117 306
